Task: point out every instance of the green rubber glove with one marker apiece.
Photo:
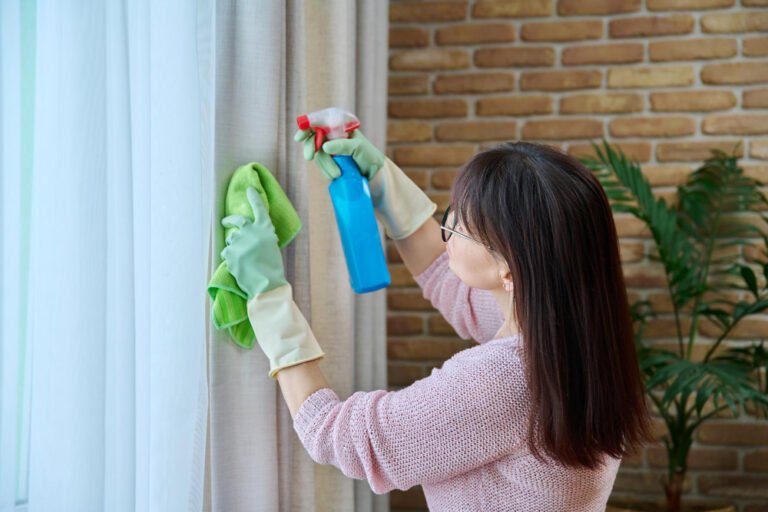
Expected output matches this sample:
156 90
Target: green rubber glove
252 254
367 157
399 204
254 260
323 160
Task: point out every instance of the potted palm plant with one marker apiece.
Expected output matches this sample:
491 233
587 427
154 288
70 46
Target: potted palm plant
690 238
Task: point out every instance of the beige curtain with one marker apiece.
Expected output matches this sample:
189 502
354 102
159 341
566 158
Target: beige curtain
275 60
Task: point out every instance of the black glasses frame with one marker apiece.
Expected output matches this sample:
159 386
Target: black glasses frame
446 232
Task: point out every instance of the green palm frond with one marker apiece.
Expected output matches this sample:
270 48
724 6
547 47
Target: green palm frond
697 241
708 206
629 191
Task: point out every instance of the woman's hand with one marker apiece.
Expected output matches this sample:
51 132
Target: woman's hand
252 252
367 157
323 160
253 258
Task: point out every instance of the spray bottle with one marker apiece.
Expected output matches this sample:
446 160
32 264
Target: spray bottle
352 204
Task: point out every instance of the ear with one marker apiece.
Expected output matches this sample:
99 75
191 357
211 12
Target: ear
505 276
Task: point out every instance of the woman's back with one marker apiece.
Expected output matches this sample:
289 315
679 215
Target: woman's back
517 481
461 432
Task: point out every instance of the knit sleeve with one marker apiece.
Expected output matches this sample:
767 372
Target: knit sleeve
464 415
472 312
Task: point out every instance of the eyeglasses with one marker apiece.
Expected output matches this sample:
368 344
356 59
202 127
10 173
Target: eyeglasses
446 232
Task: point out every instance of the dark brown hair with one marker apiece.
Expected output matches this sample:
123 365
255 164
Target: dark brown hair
548 217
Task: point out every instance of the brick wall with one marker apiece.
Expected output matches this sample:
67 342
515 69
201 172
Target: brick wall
665 80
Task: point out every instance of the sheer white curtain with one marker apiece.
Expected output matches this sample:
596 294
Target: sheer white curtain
106 156
122 121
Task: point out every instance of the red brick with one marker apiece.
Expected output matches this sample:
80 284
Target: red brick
657 76
404 324
735 124
642 482
439 326
692 101
661 327
408 37
421 349
410 84
734 486
476 130
562 129
407 300
687 5
692 49
427 108
474 83
759 149
400 276
475 33
652 126
735 73
651 26
511 8
404 374
410 131
733 433
694 151
698 458
514 105
424 155
666 175
755 98
636 151
756 461
585 7
746 21
747 328
629 226
562 30
603 54
511 57
443 179
429 59
755 47
631 251
428 11
560 80
420 178
606 103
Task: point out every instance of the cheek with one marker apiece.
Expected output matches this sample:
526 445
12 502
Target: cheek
473 266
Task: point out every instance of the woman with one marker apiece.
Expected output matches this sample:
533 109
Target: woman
526 262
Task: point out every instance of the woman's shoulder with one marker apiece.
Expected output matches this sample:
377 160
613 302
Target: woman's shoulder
500 356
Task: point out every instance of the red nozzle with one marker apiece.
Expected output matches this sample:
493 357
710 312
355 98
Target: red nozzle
303 122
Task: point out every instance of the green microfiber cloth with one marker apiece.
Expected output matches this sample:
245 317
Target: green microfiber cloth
229 301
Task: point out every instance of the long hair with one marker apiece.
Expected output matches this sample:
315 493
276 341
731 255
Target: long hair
547 216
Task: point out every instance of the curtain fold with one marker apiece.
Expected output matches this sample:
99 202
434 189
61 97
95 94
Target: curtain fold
275 61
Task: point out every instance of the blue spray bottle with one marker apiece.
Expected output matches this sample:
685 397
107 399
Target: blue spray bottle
352 204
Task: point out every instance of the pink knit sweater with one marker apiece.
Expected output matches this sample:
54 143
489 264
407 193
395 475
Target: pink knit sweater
461 432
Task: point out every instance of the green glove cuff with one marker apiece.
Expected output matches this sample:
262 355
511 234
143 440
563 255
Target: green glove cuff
281 330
